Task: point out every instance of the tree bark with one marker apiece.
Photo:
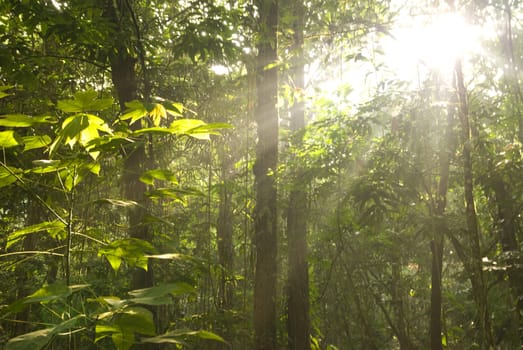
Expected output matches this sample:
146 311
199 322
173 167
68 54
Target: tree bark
479 290
124 77
298 324
265 214
437 243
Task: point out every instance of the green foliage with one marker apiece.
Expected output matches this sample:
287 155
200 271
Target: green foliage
132 250
55 229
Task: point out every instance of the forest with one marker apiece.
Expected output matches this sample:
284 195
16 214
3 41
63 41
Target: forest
261 174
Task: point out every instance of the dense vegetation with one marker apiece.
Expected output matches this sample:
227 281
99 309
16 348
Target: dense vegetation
258 175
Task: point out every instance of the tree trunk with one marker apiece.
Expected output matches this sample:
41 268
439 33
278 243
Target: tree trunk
298 304
479 290
437 243
224 232
265 215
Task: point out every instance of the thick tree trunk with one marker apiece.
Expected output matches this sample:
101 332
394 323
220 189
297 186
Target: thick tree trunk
265 215
124 78
479 290
298 304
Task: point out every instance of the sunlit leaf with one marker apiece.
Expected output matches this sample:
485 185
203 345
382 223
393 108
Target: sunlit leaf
160 295
157 114
9 175
132 250
4 88
85 101
135 111
8 139
174 109
117 202
49 226
34 142
53 292
22 120
158 174
30 341
176 337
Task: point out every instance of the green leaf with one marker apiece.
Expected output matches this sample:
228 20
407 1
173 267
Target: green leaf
82 128
44 166
30 341
53 292
34 142
155 130
135 111
132 250
8 139
136 319
176 194
173 108
157 114
3 88
160 295
9 175
51 227
117 202
183 126
158 174
22 120
125 324
174 337
85 101
38 339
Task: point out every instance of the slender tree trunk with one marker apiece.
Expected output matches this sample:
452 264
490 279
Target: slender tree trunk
506 219
224 232
298 304
397 305
436 245
265 215
479 290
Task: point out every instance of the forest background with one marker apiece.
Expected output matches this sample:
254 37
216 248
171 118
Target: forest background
320 174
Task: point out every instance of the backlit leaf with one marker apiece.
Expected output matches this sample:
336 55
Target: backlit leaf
22 120
8 139
34 142
30 341
49 226
132 250
85 101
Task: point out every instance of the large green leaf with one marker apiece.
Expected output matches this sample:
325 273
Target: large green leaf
8 175
85 101
34 142
132 250
158 174
22 120
53 292
117 202
135 111
4 88
38 339
9 138
81 128
160 295
30 341
176 337
124 326
52 227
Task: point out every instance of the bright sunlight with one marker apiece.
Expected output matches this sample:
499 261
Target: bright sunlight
433 42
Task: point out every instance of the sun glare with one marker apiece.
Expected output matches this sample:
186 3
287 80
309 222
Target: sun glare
433 42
